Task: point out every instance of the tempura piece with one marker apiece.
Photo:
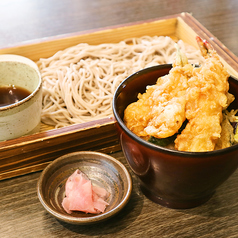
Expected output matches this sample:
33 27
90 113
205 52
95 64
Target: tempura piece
229 133
206 97
169 99
227 136
137 114
160 111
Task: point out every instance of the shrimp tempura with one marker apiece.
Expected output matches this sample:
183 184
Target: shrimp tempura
160 111
205 99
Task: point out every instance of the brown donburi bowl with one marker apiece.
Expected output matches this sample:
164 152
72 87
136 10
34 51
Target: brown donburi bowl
171 178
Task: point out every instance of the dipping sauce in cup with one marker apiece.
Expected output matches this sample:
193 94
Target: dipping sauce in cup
12 94
20 97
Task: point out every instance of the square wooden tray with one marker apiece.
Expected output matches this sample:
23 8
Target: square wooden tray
32 153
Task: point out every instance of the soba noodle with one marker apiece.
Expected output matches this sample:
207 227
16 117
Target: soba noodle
79 82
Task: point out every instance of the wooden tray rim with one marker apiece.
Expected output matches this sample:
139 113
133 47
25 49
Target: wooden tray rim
61 132
186 17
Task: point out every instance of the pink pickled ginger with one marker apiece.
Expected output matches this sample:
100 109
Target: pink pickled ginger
81 195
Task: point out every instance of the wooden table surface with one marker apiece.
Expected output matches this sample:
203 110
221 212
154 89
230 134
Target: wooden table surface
22 215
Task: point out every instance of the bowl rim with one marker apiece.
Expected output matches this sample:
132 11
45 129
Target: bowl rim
11 58
152 146
84 220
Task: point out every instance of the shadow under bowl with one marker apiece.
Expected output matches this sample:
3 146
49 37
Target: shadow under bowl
103 170
172 178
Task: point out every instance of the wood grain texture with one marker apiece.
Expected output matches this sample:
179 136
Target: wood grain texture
21 214
26 20
30 153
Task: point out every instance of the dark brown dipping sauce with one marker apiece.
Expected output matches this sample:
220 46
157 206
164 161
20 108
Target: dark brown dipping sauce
12 94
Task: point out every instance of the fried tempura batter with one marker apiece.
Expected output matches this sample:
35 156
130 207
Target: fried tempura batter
160 111
169 99
227 135
196 94
137 114
205 99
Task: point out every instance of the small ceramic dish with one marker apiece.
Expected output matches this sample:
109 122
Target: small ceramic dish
103 170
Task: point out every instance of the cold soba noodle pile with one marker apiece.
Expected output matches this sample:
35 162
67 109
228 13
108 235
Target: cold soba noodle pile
79 82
